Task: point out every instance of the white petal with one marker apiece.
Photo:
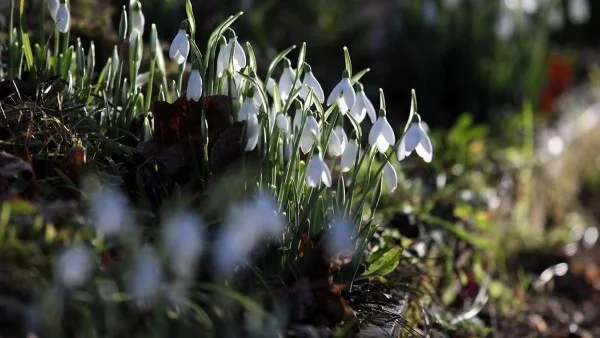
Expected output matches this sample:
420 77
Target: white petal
53 8
369 106
311 82
349 155
282 123
401 152
387 131
411 138
253 131
285 82
246 109
335 93
222 58
138 21
297 123
424 148
335 145
180 48
375 132
342 105
390 177
271 86
359 111
309 134
314 172
381 144
348 91
194 89
63 17
239 56
325 174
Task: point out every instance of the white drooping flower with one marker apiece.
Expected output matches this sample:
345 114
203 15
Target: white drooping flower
135 45
362 107
271 84
246 225
63 18
579 11
343 93
297 122
194 88
337 141
349 155
252 131
390 177
415 139
183 243
311 82
146 276
286 80
310 133
74 266
137 18
239 56
381 135
317 171
283 123
180 47
109 212
53 8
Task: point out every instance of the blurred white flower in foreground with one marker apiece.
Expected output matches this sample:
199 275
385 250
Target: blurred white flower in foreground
183 241
415 139
382 135
343 93
180 47
109 211
505 26
579 11
317 171
74 266
339 239
246 225
146 276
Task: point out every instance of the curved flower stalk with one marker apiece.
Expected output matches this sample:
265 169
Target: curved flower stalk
337 141
390 177
382 135
362 106
311 82
415 139
343 93
63 18
180 47
317 172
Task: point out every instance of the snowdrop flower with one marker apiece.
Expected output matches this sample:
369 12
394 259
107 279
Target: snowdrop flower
297 122
579 11
349 155
180 47
248 107
74 266
317 172
194 88
311 82
286 81
382 135
271 84
53 8
63 18
343 93
183 242
339 240
309 134
362 106
283 124
239 56
505 26
233 81
137 18
146 276
135 45
109 212
337 141
390 177
415 139
253 131
246 225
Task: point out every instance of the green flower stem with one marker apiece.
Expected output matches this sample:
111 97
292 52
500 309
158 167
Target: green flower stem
180 78
56 51
150 85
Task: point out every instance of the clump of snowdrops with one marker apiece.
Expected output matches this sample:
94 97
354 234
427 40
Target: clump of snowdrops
315 172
